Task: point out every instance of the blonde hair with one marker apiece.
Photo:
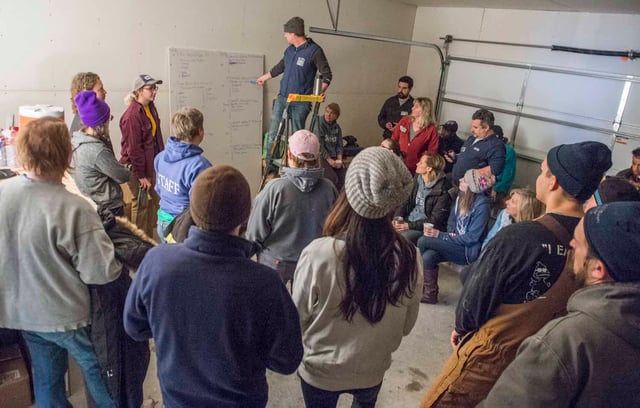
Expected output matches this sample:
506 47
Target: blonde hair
44 147
530 207
427 110
186 124
130 97
82 81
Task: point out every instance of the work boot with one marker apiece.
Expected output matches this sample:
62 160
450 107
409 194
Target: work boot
430 288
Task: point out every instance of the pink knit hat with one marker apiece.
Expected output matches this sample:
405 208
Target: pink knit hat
304 141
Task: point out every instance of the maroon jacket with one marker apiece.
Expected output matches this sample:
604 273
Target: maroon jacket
139 147
426 140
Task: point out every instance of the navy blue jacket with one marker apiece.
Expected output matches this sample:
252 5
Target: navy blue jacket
218 320
470 230
299 66
489 151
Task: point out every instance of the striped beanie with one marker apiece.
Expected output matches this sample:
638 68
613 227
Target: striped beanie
377 182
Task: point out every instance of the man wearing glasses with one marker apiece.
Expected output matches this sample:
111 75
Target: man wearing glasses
141 142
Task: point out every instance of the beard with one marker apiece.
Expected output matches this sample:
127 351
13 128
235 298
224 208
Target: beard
579 271
402 96
581 276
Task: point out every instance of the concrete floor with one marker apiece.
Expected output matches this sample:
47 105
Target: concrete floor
415 364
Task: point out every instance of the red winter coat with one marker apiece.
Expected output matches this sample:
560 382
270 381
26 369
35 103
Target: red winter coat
426 140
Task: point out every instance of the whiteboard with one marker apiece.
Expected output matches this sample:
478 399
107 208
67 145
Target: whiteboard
222 86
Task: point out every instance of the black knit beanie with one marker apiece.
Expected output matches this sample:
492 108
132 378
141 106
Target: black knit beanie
579 167
613 234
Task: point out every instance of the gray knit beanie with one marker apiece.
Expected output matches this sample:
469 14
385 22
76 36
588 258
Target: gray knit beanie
295 25
377 182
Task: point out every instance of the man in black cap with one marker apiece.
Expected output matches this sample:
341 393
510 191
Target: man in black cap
519 283
302 59
612 189
396 107
218 318
591 356
450 144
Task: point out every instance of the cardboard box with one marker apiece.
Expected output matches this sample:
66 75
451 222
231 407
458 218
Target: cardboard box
15 389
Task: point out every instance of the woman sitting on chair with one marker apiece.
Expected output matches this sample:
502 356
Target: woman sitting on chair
429 201
466 228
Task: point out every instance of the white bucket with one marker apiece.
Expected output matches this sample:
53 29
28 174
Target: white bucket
33 112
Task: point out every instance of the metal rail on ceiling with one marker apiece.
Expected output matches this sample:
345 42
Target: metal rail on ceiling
392 40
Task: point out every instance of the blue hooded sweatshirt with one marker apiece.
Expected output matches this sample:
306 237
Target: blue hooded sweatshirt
177 167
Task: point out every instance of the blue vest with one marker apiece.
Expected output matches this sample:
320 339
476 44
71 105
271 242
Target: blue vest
299 69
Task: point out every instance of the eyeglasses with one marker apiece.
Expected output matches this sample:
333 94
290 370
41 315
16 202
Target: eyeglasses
151 88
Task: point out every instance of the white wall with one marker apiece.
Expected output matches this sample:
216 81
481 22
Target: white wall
580 100
44 43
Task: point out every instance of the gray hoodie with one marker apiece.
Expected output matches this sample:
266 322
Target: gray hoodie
289 213
96 172
589 358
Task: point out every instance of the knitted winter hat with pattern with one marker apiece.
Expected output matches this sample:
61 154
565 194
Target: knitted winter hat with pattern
377 182
479 180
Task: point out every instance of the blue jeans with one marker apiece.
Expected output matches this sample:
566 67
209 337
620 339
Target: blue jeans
285 269
435 250
412 235
49 361
318 398
162 229
298 112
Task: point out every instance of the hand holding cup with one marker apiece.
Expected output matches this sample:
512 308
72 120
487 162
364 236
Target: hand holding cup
429 230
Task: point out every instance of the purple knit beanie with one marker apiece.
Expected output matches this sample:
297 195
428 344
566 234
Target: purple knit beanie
92 111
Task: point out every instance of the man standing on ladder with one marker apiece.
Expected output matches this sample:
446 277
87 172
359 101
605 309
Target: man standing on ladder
302 59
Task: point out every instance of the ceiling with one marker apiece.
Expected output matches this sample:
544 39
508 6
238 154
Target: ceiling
586 6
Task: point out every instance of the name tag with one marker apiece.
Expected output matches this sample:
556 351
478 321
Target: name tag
404 113
403 129
300 62
476 149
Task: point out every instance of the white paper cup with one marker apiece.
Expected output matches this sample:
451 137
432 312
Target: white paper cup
427 226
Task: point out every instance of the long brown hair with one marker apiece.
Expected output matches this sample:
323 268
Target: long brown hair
379 264
465 201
